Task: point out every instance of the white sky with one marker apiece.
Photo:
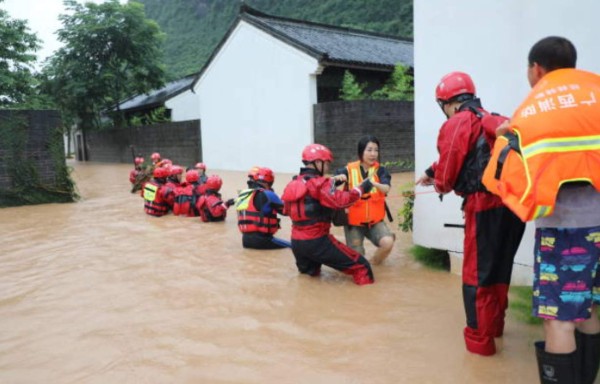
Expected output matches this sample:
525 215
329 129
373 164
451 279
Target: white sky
42 19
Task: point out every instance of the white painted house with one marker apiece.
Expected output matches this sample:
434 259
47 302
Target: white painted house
489 40
176 97
257 91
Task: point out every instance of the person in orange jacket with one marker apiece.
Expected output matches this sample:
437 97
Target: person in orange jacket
365 217
546 165
492 232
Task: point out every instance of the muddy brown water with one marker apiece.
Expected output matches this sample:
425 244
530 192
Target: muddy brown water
99 292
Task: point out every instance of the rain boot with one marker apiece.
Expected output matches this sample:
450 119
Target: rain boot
589 352
557 368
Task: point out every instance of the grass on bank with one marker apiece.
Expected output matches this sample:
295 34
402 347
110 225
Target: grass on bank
431 257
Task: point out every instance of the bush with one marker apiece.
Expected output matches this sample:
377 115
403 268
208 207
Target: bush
430 257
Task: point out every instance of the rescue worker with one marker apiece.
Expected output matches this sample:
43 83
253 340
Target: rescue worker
156 158
173 183
492 231
309 200
201 169
210 205
137 170
154 192
547 168
257 208
186 196
365 217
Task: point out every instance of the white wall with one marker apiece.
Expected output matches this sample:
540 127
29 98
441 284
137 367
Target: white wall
256 102
184 106
489 40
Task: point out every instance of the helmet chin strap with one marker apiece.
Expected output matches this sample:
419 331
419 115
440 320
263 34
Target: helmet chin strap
314 163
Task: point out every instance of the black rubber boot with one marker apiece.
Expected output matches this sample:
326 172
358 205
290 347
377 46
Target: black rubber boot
557 368
589 355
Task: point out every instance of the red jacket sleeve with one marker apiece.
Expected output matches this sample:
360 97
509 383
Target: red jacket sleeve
320 189
456 137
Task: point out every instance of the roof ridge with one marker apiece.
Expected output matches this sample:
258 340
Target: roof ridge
247 10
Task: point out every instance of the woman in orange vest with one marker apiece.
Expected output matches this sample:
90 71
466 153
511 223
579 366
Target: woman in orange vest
365 217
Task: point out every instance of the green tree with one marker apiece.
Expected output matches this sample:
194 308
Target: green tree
351 89
111 50
17 54
399 87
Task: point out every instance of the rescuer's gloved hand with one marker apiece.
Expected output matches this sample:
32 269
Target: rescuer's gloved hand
366 185
229 203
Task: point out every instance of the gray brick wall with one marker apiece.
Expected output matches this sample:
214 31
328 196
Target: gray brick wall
340 124
40 129
178 141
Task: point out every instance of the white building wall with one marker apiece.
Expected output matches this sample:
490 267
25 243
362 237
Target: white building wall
256 101
489 40
184 106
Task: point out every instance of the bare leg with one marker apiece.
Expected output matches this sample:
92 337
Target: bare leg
383 250
560 336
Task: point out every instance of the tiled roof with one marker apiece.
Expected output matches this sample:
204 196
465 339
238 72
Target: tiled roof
159 96
335 44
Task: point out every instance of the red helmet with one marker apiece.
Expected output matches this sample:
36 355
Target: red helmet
253 172
191 176
314 152
265 174
200 166
139 161
160 173
155 157
176 170
454 84
214 183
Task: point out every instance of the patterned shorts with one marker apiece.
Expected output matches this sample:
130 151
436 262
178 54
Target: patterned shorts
566 273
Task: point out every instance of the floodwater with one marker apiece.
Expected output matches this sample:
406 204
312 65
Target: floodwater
99 292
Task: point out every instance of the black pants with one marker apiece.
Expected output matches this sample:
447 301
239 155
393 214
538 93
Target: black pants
258 240
311 254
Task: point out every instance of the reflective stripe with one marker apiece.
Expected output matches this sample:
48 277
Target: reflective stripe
542 210
585 143
150 191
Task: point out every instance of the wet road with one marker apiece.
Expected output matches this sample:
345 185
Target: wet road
99 292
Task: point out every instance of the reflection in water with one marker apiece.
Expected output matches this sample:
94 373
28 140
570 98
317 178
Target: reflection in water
99 292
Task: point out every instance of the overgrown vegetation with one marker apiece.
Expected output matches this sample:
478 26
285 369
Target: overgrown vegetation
400 86
195 27
111 50
406 212
430 257
156 116
27 187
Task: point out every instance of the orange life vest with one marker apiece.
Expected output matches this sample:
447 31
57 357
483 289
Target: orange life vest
370 209
555 139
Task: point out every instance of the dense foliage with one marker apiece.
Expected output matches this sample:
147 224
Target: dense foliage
195 27
111 50
399 87
17 56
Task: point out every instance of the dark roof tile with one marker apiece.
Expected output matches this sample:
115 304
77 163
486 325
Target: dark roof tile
336 44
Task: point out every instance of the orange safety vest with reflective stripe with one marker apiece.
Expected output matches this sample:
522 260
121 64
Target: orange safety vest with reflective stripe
555 139
370 208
